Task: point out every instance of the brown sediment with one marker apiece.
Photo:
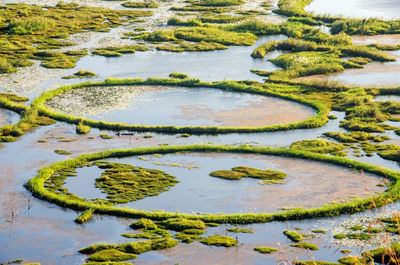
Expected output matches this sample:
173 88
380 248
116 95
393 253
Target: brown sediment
269 111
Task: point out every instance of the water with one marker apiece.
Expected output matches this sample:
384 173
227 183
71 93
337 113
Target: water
185 107
385 9
8 117
233 63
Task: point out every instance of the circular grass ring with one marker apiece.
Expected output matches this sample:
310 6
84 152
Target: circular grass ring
36 186
313 122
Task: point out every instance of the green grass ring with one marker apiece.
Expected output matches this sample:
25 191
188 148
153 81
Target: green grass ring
317 120
36 186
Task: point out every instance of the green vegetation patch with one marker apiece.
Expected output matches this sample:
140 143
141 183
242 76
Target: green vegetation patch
265 250
293 235
239 230
30 30
111 255
268 176
82 129
118 50
179 224
317 146
388 255
140 4
199 34
355 137
220 241
96 248
145 246
125 183
85 216
305 245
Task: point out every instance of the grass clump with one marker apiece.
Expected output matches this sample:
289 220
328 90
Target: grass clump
192 47
355 137
220 241
140 5
80 74
239 230
217 2
305 245
263 49
178 75
62 152
143 223
265 250
85 216
111 255
31 25
82 129
96 248
293 235
388 255
350 260
145 246
105 136
125 183
202 34
180 224
268 176
317 146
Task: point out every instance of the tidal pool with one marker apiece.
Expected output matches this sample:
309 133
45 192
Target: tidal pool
233 63
307 184
385 9
158 105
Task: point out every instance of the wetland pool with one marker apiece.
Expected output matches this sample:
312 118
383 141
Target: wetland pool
158 105
307 184
385 9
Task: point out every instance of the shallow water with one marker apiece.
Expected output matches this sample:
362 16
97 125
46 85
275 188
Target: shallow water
8 117
308 183
233 63
386 9
373 74
183 107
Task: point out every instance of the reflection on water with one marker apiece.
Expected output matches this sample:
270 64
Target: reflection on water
8 117
307 184
234 63
386 9
206 107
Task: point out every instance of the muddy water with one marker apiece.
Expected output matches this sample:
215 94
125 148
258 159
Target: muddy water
179 106
385 9
234 63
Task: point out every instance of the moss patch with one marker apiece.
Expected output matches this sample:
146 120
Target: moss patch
219 241
268 176
265 250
